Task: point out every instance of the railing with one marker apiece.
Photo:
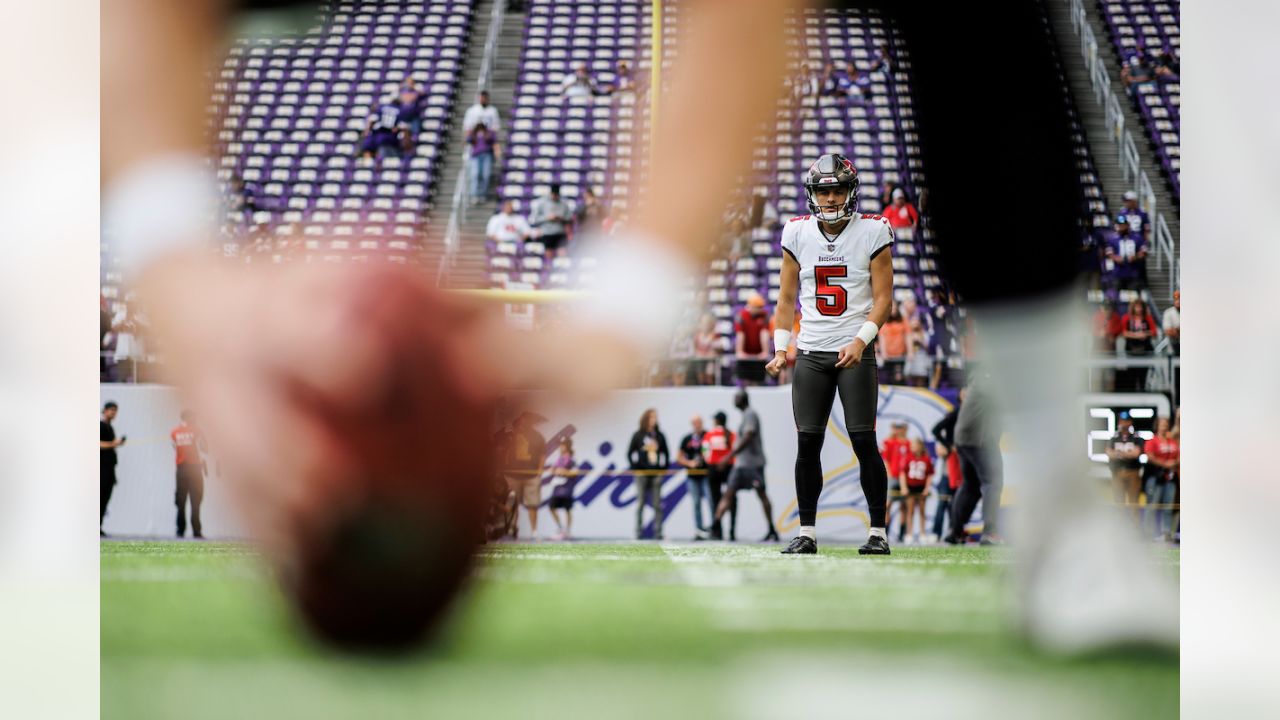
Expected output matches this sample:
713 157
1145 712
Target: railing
461 189
1127 149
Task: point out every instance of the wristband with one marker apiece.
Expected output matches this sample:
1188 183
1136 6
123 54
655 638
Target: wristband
162 204
638 288
781 340
868 332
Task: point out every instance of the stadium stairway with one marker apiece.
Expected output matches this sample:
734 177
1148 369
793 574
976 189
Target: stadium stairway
1105 151
469 268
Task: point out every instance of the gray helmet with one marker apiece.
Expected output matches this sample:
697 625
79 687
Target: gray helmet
832 171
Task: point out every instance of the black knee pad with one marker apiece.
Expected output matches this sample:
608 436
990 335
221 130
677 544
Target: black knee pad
864 446
809 445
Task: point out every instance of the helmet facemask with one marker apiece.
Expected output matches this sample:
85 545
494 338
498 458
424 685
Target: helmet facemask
843 211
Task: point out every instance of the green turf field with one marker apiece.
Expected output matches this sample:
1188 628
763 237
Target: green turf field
560 631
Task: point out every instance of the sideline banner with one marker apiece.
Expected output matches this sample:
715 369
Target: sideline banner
605 500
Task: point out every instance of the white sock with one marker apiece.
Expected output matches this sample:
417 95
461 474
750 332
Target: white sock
879 532
809 531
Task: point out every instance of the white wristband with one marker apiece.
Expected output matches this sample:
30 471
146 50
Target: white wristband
868 332
638 285
159 205
781 340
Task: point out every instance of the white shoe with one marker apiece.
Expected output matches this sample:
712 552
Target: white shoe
932 539
1097 587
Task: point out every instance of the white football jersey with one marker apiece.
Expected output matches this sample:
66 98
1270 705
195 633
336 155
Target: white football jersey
835 277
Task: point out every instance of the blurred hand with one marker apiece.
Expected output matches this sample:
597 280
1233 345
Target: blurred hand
775 365
851 354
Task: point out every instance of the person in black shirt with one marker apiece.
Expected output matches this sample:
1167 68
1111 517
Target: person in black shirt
107 444
1123 451
690 458
648 452
945 434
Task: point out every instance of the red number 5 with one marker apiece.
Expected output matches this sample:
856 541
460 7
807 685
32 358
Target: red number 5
832 299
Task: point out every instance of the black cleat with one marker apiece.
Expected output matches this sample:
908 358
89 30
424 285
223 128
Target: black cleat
773 535
876 545
802 545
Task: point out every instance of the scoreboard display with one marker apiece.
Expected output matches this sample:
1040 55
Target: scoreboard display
1102 412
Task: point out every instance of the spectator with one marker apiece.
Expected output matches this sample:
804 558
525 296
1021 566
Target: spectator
104 329
736 241
1167 66
977 437
894 451
484 149
892 345
1163 457
1136 72
1123 451
717 445
1107 326
589 215
1126 253
507 226
706 349
918 366
829 82
806 85
563 479
548 216
1137 217
578 83
1089 259
882 61
917 471
107 444
949 475
886 193
623 80
748 471
761 213
527 448
1138 329
482 112
854 84
128 353
410 114
384 133
189 478
900 213
691 459
648 457
241 198
752 344
1172 324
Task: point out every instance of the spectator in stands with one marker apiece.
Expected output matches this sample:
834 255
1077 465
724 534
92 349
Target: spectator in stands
243 199
918 365
548 216
854 84
1167 66
1137 217
706 349
829 82
806 85
900 213
623 79
648 455
736 241
892 345
507 226
1136 72
107 444
1126 253
1123 451
411 108
1163 458
563 479
752 345
1172 324
589 214
886 193
484 149
189 477
1139 331
882 61
104 329
578 83
482 112
690 458
128 328
761 212
384 133
1107 326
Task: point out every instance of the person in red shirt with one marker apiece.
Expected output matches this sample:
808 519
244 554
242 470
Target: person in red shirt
717 446
1139 331
1107 326
895 449
1163 452
751 349
190 474
917 471
900 213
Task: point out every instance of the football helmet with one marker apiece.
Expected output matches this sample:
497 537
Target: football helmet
832 171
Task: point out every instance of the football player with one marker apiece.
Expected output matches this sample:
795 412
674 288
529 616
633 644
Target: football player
839 261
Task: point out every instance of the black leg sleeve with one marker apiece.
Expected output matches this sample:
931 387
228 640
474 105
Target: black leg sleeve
809 475
875 479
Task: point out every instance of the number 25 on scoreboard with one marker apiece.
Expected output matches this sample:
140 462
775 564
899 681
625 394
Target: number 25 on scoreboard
831 299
